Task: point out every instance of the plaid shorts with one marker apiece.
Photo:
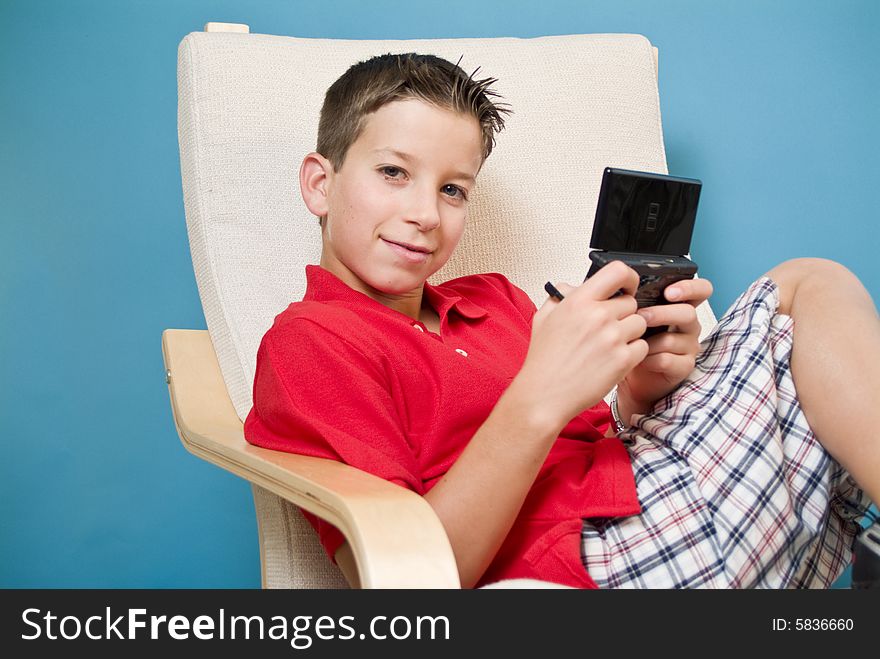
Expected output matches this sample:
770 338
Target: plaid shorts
735 489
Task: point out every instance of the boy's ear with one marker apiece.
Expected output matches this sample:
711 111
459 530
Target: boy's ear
314 178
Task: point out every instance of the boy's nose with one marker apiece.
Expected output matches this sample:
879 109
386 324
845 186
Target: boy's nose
423 210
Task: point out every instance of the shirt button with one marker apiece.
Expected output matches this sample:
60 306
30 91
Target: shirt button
418 327
461 352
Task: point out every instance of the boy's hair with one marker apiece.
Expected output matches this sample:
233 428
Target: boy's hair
367 86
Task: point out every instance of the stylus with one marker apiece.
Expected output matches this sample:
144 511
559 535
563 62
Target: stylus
553 292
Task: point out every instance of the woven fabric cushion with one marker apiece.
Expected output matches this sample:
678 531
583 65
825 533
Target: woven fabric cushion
290 554
248 112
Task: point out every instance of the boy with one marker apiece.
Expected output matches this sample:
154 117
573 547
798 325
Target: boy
467 394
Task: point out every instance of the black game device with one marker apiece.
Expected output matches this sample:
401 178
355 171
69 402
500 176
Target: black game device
646 220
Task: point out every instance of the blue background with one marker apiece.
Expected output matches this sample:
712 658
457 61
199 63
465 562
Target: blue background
773 105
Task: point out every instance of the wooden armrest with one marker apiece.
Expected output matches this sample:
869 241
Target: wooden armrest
396 538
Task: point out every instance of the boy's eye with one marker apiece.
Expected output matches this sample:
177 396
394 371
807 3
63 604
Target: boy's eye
455 189
391 171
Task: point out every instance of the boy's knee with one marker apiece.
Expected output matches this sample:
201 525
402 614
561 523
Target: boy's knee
790 275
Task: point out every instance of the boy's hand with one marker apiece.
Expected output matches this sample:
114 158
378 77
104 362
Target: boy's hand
671 354
582 346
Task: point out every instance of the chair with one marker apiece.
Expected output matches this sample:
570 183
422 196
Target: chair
248 112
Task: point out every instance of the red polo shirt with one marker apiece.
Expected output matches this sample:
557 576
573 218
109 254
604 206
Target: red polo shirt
344 377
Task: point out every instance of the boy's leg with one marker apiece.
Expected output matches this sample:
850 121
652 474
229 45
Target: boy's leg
836 361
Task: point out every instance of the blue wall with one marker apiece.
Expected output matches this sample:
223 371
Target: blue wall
773 105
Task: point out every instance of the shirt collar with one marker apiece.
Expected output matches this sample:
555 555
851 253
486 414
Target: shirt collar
324 286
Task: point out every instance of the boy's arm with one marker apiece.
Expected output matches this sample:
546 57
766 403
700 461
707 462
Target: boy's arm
477 512
626 408
478 499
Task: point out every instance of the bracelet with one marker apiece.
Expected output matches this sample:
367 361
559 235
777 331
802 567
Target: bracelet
619 426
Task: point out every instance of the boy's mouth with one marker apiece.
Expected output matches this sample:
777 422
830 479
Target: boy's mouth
412 248
410 253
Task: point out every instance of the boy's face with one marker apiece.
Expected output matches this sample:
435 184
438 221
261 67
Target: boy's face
379 199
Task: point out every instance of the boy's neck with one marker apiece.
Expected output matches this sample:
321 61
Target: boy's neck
413 304
429 316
